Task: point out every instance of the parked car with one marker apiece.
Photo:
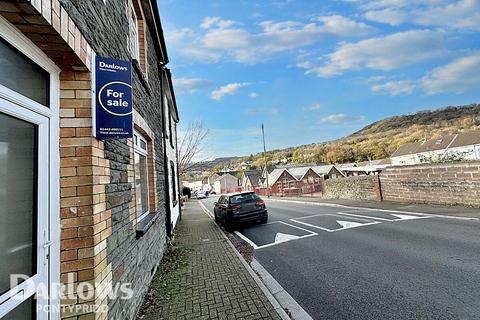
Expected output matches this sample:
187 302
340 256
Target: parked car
231 210
201 194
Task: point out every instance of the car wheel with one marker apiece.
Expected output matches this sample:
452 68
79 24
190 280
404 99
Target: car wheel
264 220
216 217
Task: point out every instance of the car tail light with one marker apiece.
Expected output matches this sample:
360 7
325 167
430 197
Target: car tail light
233 207
260 203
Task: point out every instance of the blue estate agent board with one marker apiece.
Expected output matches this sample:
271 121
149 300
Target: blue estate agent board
113 98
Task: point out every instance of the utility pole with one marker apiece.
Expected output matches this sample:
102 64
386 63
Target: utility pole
265 158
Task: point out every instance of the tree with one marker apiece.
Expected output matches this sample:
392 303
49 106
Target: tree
191 145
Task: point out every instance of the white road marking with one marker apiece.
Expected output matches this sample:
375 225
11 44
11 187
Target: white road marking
334 205
283 237
345 224
348 224
401 217
406 217
250 242
279 237
205 209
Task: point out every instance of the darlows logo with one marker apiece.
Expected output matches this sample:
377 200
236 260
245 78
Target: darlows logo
112 66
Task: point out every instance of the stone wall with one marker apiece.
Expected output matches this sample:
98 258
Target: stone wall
351 188
445 183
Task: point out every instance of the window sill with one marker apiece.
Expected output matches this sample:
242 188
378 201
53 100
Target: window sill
145 224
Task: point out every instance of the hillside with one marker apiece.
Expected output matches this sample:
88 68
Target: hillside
377 140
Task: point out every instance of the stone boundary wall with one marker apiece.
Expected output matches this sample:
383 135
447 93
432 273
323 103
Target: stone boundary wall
443 183
352 188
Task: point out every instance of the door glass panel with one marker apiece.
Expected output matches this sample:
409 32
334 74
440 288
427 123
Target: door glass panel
24 311
20 74
18 190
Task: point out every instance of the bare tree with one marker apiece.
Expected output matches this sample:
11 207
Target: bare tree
191 145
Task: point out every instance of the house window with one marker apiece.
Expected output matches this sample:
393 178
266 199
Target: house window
20 74
134 37
138 46
141 176
174 183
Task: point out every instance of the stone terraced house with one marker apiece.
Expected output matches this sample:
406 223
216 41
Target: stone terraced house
90 213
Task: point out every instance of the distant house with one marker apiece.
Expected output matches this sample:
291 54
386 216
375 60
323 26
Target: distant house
281 181
310 181
251 179
363 168
226 183
406 154
466 146
328 171
462 146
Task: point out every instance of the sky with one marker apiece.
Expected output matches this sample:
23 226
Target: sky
314 71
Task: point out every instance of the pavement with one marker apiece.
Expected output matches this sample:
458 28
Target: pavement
214 282
371 260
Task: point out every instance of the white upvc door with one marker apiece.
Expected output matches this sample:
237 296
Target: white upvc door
29 181
24 212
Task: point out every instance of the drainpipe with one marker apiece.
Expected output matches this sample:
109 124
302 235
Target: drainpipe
168 216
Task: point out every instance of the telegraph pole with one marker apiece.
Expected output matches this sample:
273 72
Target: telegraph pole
265 158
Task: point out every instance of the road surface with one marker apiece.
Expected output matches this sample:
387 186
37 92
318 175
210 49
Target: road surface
359 263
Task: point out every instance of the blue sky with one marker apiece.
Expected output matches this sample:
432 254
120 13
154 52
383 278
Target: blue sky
314 71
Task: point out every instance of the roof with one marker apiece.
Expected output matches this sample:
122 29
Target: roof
344 165
174 110
254 176
323 170
442 143
275 175
300 172
436 144
369 168
406 149
466 139
152 16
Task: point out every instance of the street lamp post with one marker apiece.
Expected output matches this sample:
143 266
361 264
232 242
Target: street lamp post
265 158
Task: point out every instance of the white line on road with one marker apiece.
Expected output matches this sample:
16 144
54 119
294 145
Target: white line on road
278 240
345 224
334 205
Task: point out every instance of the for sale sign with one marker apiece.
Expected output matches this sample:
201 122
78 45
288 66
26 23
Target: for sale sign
113 98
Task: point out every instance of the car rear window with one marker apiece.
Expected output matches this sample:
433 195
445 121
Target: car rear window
244 198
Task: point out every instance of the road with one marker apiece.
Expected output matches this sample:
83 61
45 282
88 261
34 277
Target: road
358 263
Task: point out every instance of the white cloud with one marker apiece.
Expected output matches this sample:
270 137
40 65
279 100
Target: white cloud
253 95
226 38
228 89
312 107
271 111
395 88
176 36
342 26
387 16
190 85
216 22
341 118
462 14
384 53
304 65
458 76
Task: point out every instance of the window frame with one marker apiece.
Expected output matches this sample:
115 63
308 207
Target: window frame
137 139
135 34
